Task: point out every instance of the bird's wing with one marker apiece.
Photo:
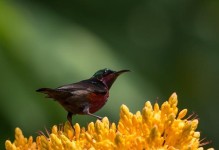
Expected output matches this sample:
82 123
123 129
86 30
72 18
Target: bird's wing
93 86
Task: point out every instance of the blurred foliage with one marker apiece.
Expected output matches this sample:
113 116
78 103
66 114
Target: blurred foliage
170 46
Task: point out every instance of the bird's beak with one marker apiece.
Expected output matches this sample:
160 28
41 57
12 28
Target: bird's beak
121 71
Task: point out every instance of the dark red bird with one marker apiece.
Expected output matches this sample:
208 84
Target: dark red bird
84 97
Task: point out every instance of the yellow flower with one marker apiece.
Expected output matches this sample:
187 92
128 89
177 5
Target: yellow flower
154 128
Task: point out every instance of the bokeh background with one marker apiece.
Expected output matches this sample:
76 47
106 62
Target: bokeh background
170 46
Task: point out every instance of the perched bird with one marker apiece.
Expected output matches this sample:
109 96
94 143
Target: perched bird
84 97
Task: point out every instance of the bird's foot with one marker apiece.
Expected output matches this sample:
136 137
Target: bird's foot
98 117
69 117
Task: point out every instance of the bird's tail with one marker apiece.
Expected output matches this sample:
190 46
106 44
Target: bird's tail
44 90
50 92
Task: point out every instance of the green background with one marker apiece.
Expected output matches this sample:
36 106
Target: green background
170 46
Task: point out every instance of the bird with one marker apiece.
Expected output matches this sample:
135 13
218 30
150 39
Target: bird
84 97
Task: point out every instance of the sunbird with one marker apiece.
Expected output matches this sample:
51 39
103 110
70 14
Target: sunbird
84 97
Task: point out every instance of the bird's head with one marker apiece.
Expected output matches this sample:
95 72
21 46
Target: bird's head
108 76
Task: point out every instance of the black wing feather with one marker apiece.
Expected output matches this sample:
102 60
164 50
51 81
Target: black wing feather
94 86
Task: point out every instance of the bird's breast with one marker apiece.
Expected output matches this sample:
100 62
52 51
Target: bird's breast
97 101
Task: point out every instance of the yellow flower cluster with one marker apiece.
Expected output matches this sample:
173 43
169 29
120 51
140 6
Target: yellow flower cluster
155 127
